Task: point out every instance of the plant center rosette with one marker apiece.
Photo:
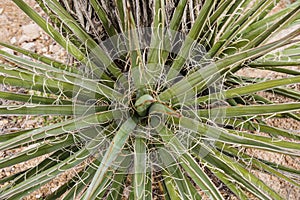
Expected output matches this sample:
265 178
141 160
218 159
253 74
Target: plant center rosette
146 96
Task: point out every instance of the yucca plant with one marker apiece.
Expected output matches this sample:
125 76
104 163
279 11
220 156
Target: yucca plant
155 103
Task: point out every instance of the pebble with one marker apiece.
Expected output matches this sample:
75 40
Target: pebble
13 40
29 46
30 32
23 38
54 48
1 10
44 49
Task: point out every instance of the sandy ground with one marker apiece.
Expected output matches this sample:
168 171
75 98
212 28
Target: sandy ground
13 27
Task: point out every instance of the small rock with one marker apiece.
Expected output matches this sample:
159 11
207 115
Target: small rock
44 49
28 46
23 38
7 50
1 10
54 48
45 37
30 33
13 40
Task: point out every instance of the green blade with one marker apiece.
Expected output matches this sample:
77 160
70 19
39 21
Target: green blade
103 17
175 174
41 58
72 84
197 79
60 128
111 154
237 172
34 182
187 161
50 110
38 150
248 89
33 98
140 175
92 46
192 36
250 110
50 30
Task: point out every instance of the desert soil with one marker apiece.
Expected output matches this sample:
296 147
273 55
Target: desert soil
18 29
